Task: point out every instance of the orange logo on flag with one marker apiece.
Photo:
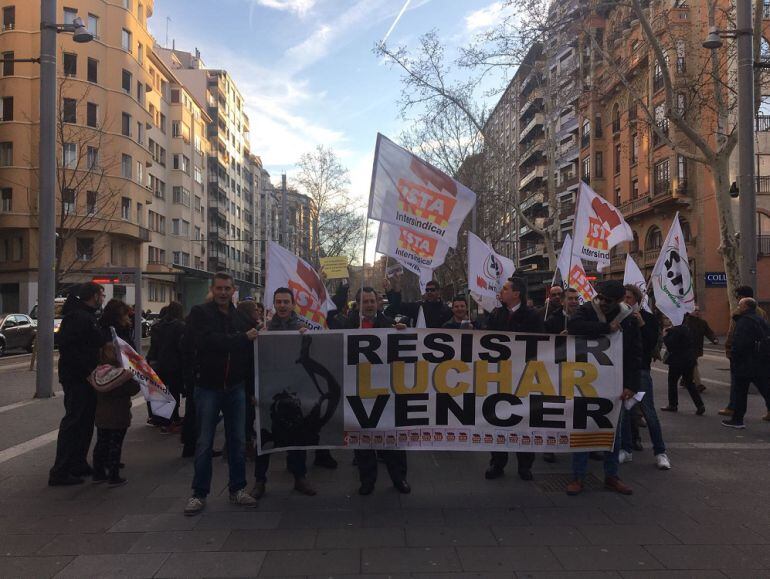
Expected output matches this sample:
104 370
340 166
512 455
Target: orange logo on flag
577 280
421 245
306 305
425 203
597 235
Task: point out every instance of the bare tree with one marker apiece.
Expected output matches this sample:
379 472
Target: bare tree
336 219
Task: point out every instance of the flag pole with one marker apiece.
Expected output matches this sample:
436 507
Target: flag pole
366 230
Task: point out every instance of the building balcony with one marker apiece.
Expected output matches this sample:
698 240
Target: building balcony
567 126
567 211
650 256
663 196
536 121
529 250
538 172
763 245
531 200
529 150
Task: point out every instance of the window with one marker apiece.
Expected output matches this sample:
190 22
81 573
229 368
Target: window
634 148
140 214
140 13
6 154
126 81
599 168
140 52
617 196
125 126
125 40
9 18
70 64
174 95
175 229
140 92
127 5
681 64
93 25
185 228
125 208
686 233
92 157
69 15
92 114
8 63
657 77
140 132
680 104
182 196
162 124
616 118
85 248
681 173
125 166
662 177
68 201
198 175
635 189
176 257
587 169
6 114
91 197
6 199
654 239
586 138
93 70
69 110
70 158
661 121
197 233
140 172
617 158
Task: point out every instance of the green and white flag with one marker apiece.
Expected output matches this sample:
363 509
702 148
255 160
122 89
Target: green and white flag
671 279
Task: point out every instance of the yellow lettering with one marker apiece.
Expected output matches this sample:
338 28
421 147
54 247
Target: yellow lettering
365 388
482 376
535 379
440 378
397 379
577 375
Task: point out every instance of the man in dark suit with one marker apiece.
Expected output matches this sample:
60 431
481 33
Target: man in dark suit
513 316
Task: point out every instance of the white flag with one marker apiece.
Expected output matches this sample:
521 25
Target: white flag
154 391
572 272
633 275
311 300
671 279
426 276
409 192
414 250
420 319
599 227
487 272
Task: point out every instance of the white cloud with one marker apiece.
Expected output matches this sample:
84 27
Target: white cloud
300 7
485 17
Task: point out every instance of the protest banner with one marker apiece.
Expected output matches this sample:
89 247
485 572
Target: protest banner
599 227
572 272
671 278
152 387
633 275
487 272
335 267
426 389
409 192
311 300
414 250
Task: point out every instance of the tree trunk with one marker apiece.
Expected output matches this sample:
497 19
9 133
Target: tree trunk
729 247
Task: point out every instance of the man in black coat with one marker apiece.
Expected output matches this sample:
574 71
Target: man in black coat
79 342
513 316
225 350
749 358
366 460
607 314
436 312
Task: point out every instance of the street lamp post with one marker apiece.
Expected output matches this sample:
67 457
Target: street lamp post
46 281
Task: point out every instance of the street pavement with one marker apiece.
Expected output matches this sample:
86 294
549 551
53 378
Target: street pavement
707 517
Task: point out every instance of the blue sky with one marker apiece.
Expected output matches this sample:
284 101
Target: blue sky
306 68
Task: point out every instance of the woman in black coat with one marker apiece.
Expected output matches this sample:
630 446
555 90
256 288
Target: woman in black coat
167 358
681 360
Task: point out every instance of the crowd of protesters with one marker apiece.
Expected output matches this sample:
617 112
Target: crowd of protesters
207 360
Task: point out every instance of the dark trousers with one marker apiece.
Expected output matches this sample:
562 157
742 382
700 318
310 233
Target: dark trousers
675 372
395 461
107 450
741 387
765 392
296 463
75 430
189 426
500 459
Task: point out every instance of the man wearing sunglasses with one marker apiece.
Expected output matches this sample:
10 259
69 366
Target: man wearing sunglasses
607 314
436 312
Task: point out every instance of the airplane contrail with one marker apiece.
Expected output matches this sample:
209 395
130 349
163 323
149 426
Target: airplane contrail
392 26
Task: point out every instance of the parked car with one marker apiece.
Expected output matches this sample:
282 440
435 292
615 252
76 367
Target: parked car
57 316
16 332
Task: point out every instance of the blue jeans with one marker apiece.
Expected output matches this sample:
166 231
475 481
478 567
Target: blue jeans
208 404
648 409
296 463
611 462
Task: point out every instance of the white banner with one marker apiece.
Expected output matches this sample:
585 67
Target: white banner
409 192
572 272
414 250
633 275
311 300
154 391
487 272
671 279
599 227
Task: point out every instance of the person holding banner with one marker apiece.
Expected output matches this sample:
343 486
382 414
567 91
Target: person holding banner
460 320
366 460
224 343
434 309
556 322
79 343
607 314
513 316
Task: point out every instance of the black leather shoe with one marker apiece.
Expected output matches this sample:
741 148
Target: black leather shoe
366 488
493 472
525 474
403 487
67 480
